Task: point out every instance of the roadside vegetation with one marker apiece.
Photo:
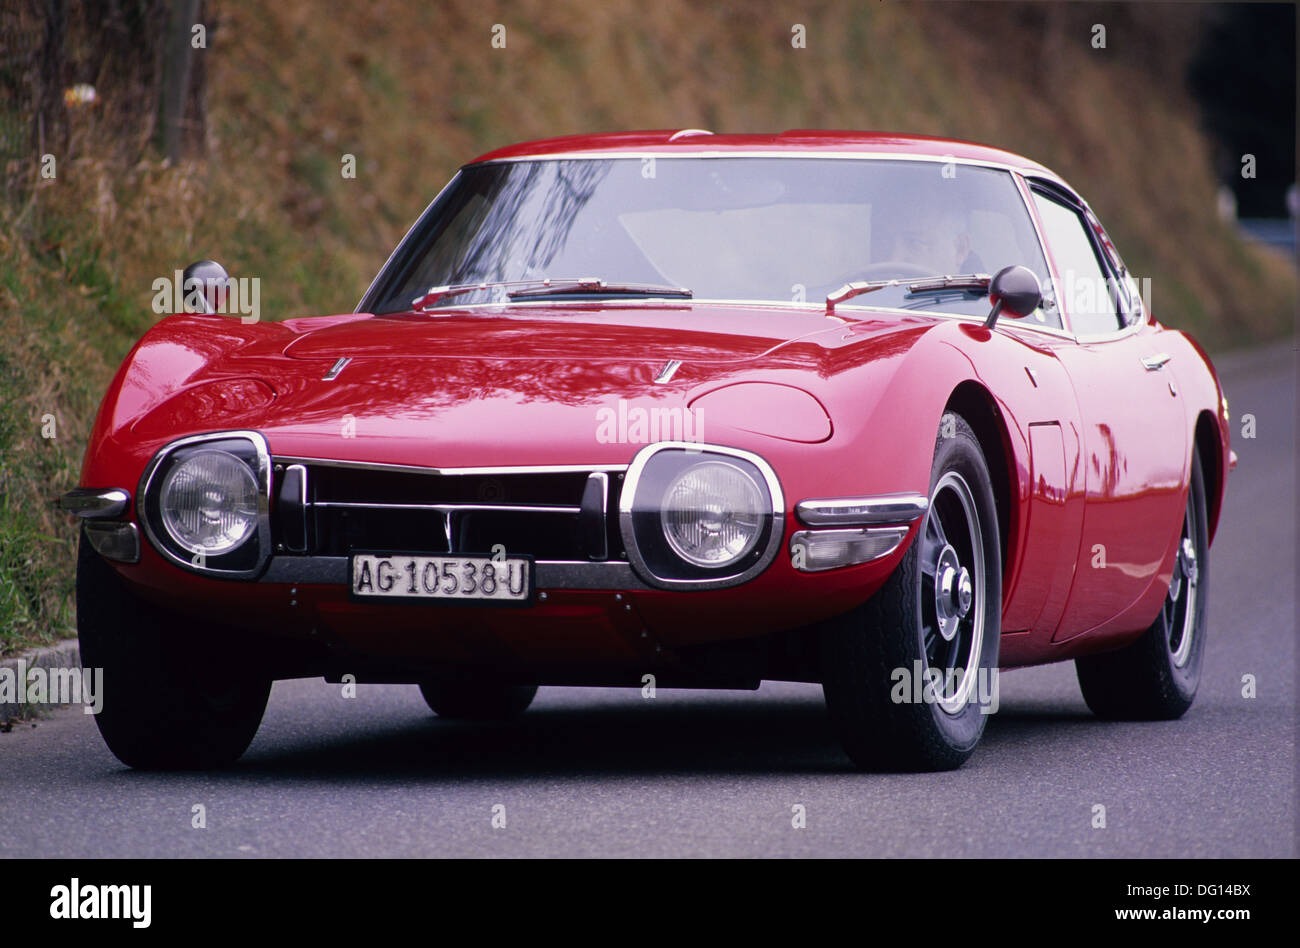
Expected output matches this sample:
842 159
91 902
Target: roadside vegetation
411 90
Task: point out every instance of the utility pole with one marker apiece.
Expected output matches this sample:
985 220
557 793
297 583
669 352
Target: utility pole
177 51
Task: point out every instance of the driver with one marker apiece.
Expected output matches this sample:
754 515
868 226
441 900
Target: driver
937 239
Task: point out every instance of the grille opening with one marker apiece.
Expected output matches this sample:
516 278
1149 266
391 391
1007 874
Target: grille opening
365 523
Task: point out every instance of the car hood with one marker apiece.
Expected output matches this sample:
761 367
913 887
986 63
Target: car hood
593 333
537 384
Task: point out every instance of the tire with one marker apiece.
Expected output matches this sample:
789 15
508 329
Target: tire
1156 677
166 705
477 700
870 657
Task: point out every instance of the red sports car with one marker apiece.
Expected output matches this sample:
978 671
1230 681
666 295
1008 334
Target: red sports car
669 408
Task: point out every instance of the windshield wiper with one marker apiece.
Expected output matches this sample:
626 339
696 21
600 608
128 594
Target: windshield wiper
436 293
960 281
546 286
592 286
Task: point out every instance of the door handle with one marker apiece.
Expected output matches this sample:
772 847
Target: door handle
1155 362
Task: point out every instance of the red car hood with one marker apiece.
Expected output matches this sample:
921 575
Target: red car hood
537 384
567 333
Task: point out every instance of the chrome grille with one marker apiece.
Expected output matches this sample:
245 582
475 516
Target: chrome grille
548 514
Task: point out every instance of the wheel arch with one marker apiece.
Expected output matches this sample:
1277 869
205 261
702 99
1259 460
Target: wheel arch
1209 446
976 404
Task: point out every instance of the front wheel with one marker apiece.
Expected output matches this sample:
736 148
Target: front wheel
166 703
910 676
1156 677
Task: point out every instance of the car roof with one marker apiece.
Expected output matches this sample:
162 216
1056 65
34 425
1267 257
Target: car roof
793 142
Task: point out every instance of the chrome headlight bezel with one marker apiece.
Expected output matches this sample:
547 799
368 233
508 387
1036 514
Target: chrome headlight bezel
246 560
640 523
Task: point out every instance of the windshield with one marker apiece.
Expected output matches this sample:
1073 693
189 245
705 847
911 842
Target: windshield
765 229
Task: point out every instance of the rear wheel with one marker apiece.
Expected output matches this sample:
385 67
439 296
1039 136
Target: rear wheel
167 702
477 700
909 675
1156 677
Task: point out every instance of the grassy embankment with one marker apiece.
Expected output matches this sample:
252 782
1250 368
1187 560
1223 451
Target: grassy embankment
412 91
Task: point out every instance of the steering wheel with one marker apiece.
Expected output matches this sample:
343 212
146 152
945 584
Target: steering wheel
891 269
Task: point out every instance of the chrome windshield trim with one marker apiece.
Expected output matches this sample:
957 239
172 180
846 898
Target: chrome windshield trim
862 511
96 503
814 309
790 152
1025 189
452 471
402 243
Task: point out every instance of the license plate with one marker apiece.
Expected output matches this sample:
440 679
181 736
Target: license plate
460 578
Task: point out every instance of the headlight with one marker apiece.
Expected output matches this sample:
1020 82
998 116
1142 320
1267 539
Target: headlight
209 502
204 503
698 516
712 514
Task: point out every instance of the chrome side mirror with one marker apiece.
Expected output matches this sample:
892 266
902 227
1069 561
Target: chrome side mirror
204 286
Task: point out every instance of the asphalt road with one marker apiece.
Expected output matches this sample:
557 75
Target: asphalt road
592 772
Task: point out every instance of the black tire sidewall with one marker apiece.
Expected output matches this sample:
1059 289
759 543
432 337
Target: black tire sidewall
166 704
959 452
1187 678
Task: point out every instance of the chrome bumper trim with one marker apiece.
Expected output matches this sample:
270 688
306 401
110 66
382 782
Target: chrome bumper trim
450 471
862 511
96 503
551 574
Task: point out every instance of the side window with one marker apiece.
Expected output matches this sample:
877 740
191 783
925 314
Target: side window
1086 291
1126 288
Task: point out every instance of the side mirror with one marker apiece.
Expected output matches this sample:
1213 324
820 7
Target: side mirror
1014 290
204 286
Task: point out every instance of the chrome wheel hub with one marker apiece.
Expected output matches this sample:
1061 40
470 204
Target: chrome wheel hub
952 593
1180 606
1184 568
951 589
